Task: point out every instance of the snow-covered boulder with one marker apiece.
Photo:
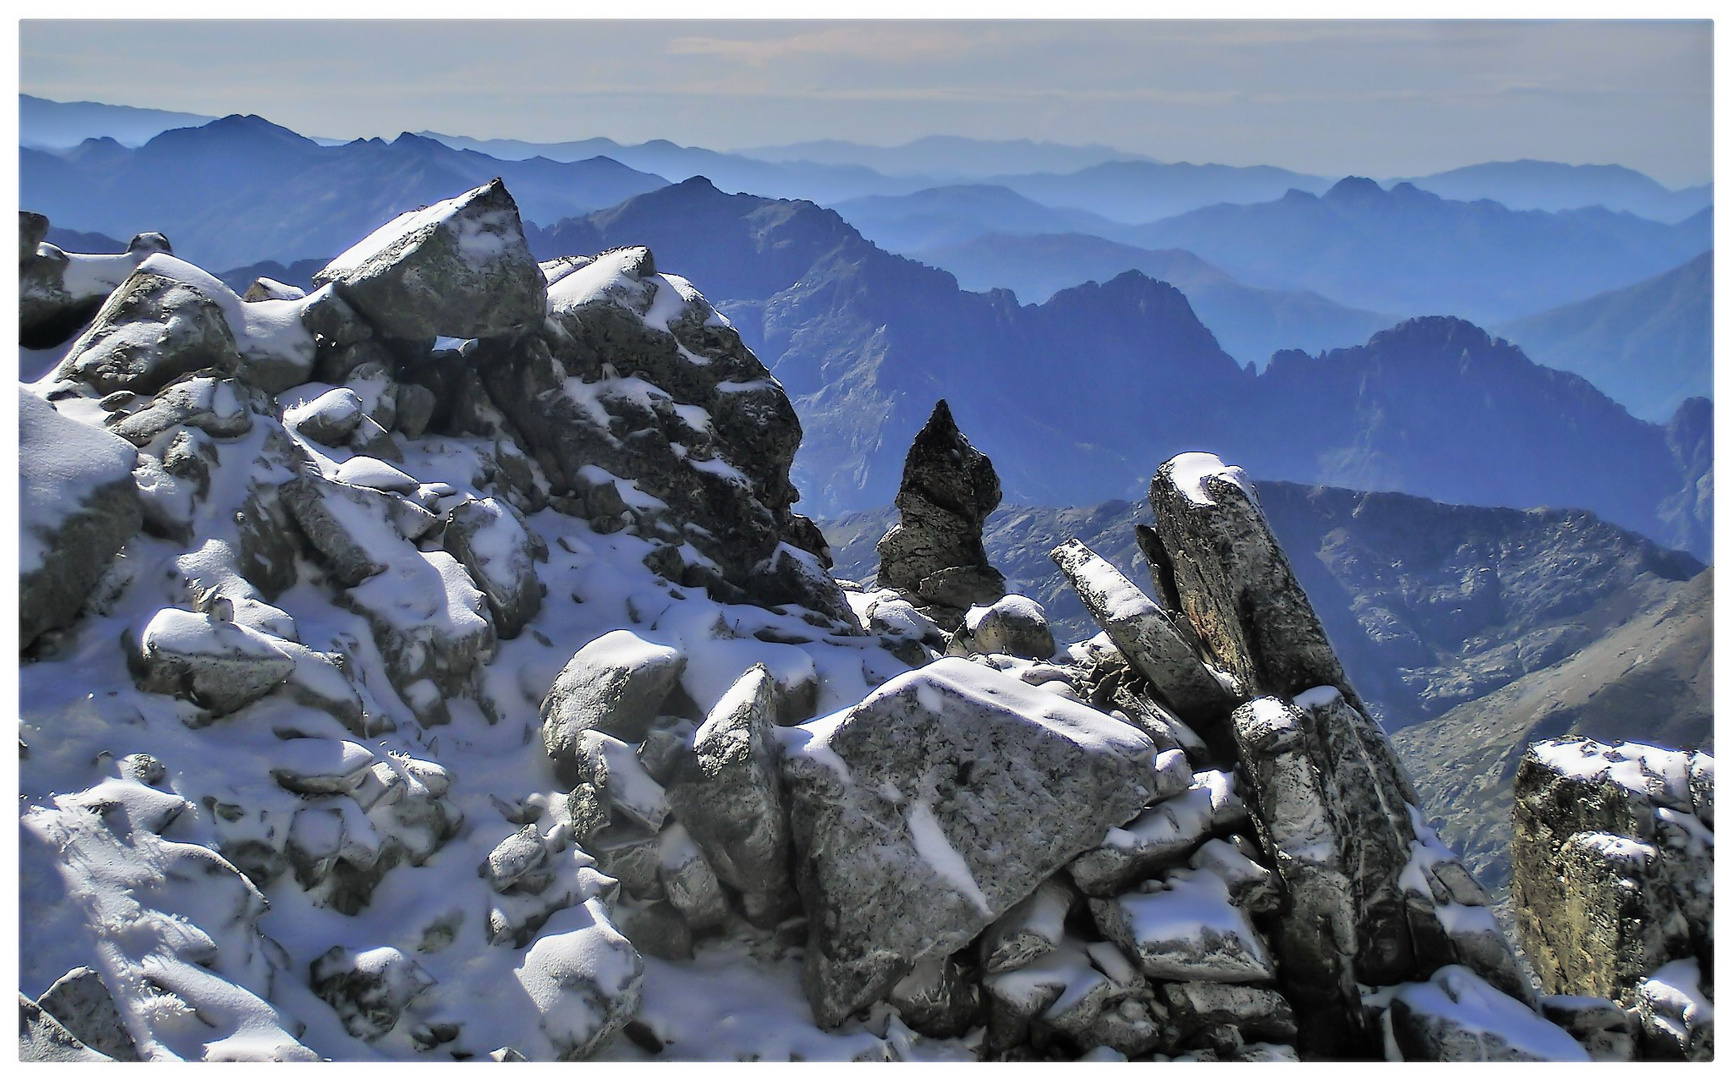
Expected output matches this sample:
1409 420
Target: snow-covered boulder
1011 624
150 331
79 507
458 268
1029 930
1162 836
584 982
329 418
728 793
369 989
1457 1016
221 407
218 665
616 684
59 291
499 552
1146 635
926 811
1186 927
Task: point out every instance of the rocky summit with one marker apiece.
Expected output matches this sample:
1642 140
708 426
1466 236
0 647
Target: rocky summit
432 666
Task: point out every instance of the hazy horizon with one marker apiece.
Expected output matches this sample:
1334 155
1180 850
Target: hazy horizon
1382 99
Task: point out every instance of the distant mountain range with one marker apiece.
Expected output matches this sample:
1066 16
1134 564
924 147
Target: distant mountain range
1470 631
1133 192
1649 345
61 125
1249 323
1081 396
958 213
946 156
1551 185
1411 252
242 190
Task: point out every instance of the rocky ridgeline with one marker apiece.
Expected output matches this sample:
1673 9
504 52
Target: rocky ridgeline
433 665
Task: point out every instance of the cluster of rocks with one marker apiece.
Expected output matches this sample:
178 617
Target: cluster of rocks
1613 862
273 439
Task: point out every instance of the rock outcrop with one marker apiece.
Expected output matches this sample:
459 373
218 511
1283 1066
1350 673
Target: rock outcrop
1613 883
934 554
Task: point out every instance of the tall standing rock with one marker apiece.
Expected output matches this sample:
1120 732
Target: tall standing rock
936 552
1235 583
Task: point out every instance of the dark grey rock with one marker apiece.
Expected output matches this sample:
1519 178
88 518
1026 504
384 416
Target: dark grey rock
1605 1030
939 998
935 551
1234 582
460 268
81 1002
329 418
729 796
1257 1012
43 1038
929 809
689 881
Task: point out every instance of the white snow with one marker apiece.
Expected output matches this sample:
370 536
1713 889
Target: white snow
89 276
370 472
1016 607
1191 471
267 328
400 231
1652 771
935 850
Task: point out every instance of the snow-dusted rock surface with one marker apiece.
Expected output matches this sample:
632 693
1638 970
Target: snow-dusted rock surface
927 810
459 268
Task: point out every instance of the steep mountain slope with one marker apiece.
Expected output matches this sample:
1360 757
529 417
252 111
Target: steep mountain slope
1553 185
1649 680
1413 252
1250 323
958 213
1142 191
241 189
1437 407
1430 605
1649 346
1073 398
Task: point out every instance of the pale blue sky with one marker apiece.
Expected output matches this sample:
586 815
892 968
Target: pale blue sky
1377 98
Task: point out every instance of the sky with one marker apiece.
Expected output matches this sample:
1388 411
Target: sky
1382 99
